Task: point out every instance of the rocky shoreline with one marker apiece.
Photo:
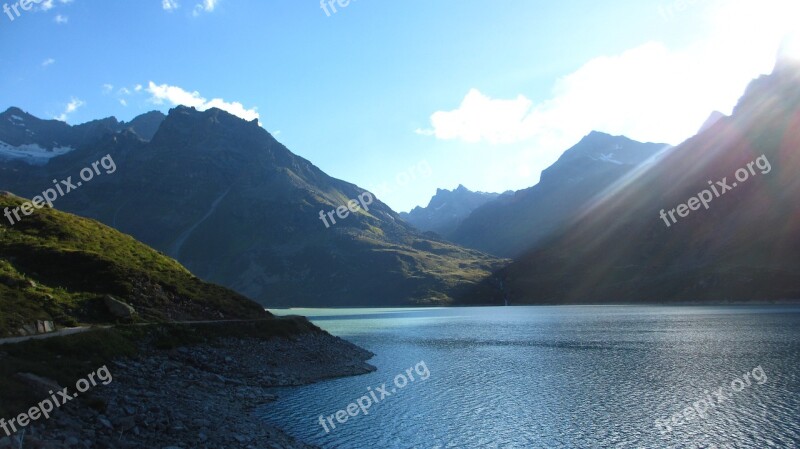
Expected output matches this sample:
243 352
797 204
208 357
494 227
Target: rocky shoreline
199 397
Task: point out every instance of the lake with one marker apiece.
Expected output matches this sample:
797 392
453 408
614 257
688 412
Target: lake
557 377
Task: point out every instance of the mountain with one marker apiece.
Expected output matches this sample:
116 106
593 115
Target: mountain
513 223
145 125
24 136
236 207
716 219
447 209
59 267
711 120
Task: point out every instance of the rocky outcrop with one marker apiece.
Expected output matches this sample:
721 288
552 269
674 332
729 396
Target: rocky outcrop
197 397
39 327
447 209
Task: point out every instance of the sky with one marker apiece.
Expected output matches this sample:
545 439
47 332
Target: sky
400 97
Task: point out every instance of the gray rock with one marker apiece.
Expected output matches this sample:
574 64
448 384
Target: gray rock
118 308
126 423
105 422
43 327
201 422
155 394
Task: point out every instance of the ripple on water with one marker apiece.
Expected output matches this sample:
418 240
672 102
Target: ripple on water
559 377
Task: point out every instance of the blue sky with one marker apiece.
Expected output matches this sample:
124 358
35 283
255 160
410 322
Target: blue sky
486 94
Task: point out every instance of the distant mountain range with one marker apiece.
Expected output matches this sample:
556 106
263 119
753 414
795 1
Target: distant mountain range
236 207
743 247
34 141
508 224
447 209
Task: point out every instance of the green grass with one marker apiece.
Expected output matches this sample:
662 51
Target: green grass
63 265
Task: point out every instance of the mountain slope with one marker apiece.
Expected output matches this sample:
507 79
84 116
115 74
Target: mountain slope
744 246
447 209
58 267
265 238
513 223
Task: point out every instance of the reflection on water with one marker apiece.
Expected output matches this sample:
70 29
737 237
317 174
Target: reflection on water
559 377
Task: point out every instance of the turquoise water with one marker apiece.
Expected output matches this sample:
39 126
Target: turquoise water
558 377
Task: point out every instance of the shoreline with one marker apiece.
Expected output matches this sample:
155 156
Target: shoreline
288 311
201 396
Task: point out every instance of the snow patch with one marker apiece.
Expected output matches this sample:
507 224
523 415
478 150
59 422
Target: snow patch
31 154
606 158
17 121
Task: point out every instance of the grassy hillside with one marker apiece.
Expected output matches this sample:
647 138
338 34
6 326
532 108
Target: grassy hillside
56 266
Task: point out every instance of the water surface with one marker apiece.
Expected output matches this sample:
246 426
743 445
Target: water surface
559 377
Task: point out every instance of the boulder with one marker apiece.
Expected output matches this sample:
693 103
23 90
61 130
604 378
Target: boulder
118 308
44 327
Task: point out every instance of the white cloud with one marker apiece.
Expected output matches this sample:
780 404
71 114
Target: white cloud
170 5
72 106
107 88
123 102
648 93
47 5
48 61
60 19
481 118
138 88
124 91
205 6
178 96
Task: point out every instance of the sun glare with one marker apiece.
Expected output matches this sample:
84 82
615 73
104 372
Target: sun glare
790 49
762 20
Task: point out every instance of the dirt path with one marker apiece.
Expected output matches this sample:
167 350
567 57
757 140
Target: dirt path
60 333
